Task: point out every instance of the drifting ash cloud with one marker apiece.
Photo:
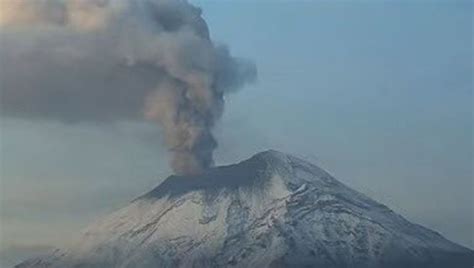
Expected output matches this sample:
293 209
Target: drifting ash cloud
109 60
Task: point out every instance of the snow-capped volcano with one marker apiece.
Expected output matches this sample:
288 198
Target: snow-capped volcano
272 210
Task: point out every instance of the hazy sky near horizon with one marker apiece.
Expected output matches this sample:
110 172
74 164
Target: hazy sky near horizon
377 93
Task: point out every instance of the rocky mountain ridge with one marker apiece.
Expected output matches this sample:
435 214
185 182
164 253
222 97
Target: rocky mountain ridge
272 210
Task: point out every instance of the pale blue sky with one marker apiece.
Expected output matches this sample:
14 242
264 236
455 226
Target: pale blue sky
377 93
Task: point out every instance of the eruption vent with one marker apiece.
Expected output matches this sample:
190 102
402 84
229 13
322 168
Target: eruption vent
109 60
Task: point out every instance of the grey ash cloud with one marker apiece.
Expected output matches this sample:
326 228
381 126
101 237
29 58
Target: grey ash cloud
110 60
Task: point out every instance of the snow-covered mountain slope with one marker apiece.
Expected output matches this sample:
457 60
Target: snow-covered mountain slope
272 210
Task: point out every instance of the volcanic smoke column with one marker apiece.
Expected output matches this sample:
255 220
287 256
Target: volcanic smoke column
190 100
109 60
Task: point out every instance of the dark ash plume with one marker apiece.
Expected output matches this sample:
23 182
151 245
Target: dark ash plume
109 60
